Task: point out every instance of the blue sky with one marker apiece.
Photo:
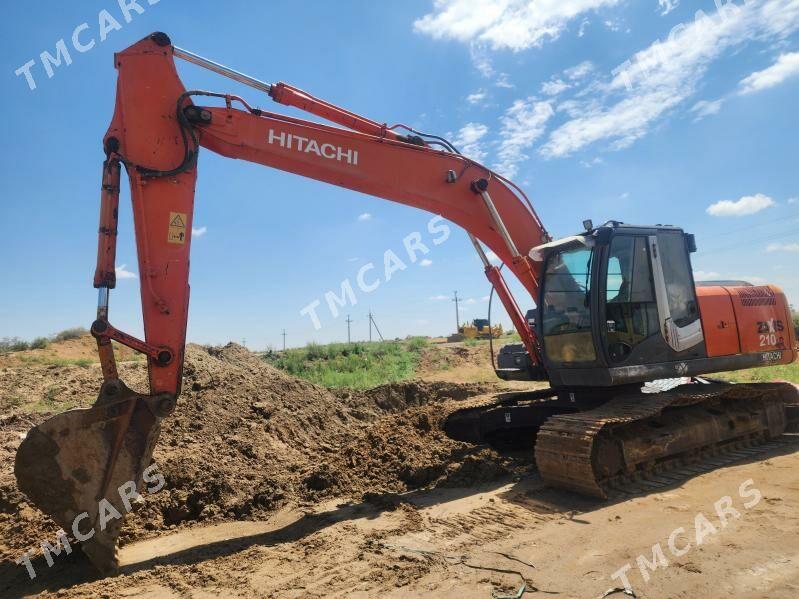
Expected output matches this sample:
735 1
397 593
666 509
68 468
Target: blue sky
642 111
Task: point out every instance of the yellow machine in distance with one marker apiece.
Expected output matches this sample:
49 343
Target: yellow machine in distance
477 329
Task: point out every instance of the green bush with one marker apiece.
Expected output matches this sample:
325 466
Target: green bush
9 344
73 333
796 322
40 343
417 343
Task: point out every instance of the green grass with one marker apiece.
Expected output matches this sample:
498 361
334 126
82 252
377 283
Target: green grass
10 401
50 401
82 362
787 372
355 365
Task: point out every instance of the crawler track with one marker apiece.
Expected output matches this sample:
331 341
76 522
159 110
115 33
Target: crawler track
603 449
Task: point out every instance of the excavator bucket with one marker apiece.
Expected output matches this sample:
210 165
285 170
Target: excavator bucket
84 467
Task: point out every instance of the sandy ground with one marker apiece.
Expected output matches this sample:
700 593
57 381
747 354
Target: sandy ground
374 501
465 363
450 543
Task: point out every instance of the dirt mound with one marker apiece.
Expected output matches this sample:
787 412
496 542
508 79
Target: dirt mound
403 452
80 349
247 439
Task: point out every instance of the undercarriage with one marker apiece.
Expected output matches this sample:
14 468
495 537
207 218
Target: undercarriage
596 441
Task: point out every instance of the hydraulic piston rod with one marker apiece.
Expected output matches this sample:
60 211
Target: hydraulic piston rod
221 69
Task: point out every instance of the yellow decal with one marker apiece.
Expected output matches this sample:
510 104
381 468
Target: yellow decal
177 228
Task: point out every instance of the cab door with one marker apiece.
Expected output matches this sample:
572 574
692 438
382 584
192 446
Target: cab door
630 320
675 291
648 307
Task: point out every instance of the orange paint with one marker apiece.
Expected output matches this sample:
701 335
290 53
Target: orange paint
752 319
718 321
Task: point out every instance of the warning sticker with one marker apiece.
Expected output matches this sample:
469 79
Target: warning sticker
177 228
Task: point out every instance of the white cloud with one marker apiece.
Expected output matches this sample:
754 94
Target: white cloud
742 207
425 262
705 275
504 24
522 124
662 76
503 81
476 97
439 298
468 140
352 259
485 298
124 273
480 60
625 195
591 162
470 301
793 200
668 6
579 71
364 217
705 108
198 231
625 122
783 247
492 257
787 66
554 87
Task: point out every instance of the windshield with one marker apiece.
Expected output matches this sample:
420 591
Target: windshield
566 317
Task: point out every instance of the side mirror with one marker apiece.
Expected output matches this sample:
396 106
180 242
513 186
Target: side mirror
690 241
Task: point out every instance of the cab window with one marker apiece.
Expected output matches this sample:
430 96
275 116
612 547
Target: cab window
677 274
566 317
630 305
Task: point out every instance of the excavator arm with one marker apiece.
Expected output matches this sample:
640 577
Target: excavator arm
79 462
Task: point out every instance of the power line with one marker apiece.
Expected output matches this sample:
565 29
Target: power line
769 237
749 227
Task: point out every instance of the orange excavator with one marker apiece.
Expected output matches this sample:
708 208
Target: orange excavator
617 309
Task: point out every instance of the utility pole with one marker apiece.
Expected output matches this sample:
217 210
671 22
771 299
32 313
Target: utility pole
457 313
372 322
284 339
349 320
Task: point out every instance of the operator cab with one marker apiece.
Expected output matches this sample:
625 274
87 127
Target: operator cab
618 305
